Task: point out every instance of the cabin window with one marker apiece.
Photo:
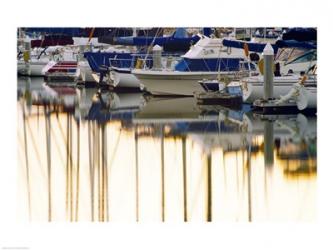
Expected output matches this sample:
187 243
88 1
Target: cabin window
235 90
311 56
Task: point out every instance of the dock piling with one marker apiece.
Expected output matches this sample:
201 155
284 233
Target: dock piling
268 71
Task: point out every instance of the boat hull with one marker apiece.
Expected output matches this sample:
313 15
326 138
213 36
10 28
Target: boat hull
36 68
85 72
123 78
254 88
174 83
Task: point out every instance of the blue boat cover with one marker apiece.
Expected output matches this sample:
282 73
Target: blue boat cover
162 41
254 47
211 64
116 59
259 47
296 44
300 34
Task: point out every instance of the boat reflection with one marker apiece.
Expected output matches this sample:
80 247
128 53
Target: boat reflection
105 156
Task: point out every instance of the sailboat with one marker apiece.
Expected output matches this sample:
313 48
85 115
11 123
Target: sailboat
205 60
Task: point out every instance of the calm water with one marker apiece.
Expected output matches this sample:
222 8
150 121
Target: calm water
126 157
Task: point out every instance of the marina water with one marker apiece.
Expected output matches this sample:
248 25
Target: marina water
95 155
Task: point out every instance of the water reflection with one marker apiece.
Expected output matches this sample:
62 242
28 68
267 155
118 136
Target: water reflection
94 155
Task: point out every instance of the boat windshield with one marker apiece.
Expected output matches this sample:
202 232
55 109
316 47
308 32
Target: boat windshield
234 90
307 57
289 54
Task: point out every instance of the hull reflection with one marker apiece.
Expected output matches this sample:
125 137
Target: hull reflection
123 157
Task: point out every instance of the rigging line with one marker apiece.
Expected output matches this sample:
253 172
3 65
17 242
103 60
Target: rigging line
150 46
48 155
249 184
224 170
184 178
209 187
61 130
36 150
78 172
57 146
162 174
71 167
136 137
67 167
103 172
26 161
105 150
115 148
219 59
197 187
98 156
91 171
101 134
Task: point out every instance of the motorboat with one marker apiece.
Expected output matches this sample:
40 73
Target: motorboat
207 59
253 87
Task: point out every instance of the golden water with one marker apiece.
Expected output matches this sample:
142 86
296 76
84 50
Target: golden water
74 169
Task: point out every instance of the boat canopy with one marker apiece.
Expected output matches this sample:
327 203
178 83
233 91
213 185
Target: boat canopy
259 47
72 31
296 44
212 64
300 34
115 59
52 40
254 47
178 41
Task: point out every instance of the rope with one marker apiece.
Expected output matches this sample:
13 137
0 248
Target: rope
150 46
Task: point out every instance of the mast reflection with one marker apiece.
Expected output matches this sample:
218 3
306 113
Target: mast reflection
101 156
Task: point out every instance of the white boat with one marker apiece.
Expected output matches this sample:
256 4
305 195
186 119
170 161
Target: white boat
85 71
62 72
168 109
296 60
40 57
207 59
122 77
253 87
35 65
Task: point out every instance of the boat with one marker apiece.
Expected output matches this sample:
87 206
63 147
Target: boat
122 77
64 71
296 61
119 63
299 98
168 109
86 74
94 104
293 54
253 87
38 59
229 96
35 67
205 60
178 41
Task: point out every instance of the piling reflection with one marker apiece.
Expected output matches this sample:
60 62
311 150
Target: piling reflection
92 155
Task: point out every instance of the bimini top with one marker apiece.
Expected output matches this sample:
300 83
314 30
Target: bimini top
212 48
259 47
253 46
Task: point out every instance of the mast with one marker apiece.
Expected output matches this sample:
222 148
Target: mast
209 187
136 137
162 174
249 194
184 178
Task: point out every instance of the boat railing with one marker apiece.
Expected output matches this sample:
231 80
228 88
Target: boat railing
139 60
